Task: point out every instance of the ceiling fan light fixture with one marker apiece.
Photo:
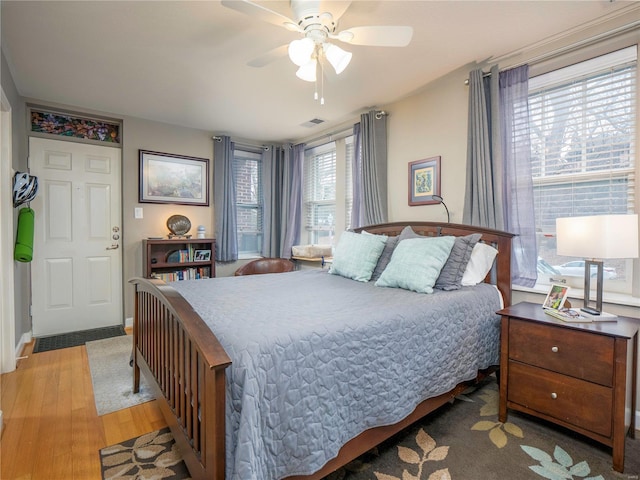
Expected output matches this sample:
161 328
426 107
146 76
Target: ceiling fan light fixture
300 51
307 72
337 57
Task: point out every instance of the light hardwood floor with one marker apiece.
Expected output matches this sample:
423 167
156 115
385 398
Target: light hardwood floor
51 427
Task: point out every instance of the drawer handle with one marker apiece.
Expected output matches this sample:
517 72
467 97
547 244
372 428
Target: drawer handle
554 349
554 395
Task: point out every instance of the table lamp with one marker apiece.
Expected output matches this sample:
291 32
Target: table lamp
595 238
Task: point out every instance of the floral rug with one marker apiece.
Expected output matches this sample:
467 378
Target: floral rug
461 441
151 456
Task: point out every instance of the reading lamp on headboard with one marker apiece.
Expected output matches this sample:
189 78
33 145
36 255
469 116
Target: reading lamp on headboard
595 238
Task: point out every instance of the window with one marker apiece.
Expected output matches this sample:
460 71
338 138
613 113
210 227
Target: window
328 193
583 141
247 172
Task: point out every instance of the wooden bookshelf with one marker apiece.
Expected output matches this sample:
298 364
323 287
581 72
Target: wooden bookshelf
179 259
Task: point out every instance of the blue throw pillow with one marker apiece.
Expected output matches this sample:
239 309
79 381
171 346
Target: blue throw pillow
416 263
356 255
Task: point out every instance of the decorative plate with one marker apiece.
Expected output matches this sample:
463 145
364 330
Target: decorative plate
178 224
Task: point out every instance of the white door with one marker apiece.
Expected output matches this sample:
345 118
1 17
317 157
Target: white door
76 272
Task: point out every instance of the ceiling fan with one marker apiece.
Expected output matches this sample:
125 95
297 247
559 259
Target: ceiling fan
317 22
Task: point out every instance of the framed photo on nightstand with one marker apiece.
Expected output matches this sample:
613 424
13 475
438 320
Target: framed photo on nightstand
556 296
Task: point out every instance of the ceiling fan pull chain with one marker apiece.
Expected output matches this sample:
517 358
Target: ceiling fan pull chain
315 94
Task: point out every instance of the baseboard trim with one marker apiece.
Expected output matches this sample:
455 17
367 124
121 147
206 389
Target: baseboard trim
24 339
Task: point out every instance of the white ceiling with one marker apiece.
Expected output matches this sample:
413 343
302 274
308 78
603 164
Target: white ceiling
184 62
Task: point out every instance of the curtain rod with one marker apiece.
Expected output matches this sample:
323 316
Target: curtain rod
242 144
563 50
343 131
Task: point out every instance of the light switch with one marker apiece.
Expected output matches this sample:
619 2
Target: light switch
137 212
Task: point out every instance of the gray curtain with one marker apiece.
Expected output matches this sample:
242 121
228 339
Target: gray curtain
272 165
518 209
356 179
483 191
291 206
282 190
373 128
499 191
225 201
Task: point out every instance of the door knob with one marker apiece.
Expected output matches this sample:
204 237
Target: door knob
113 247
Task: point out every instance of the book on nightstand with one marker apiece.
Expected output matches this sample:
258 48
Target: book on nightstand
576 315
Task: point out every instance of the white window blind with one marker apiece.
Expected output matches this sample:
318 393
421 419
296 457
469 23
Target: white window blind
320 193
583 141
324 168
247 171
348 174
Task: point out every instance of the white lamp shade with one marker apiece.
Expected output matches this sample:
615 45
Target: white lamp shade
338 58
307 72
300 51
598 236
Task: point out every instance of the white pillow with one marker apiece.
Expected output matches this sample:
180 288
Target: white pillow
480 263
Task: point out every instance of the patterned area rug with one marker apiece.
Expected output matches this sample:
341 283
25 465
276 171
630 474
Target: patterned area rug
461 441
151 456
74 339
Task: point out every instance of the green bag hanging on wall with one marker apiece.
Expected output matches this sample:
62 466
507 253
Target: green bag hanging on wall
24 238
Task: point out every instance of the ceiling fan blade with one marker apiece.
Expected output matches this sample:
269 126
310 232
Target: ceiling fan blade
384 36
262 13
270 56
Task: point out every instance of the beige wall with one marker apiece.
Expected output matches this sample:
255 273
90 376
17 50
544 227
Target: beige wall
159 137
430 123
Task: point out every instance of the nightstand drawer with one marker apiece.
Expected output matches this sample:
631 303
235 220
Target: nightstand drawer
576 353
565 398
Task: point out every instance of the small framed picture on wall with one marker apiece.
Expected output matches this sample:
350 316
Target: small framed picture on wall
424 181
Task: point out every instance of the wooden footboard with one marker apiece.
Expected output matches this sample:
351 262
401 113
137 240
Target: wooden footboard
185 363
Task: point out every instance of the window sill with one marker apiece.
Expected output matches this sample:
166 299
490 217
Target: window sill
610 298
248 256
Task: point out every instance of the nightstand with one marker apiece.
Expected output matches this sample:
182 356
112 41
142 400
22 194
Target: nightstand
581 376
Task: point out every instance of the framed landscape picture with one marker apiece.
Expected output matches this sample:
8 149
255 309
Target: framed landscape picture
169 178
424 181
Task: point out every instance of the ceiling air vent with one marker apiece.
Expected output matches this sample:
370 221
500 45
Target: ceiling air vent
312 123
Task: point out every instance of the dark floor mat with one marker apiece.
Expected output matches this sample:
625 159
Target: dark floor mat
73 339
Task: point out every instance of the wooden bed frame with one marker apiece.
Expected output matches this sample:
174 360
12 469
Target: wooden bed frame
185 363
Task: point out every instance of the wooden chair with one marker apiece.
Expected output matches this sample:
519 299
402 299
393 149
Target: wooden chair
266 265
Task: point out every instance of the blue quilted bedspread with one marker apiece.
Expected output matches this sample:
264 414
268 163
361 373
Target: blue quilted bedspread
318 359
